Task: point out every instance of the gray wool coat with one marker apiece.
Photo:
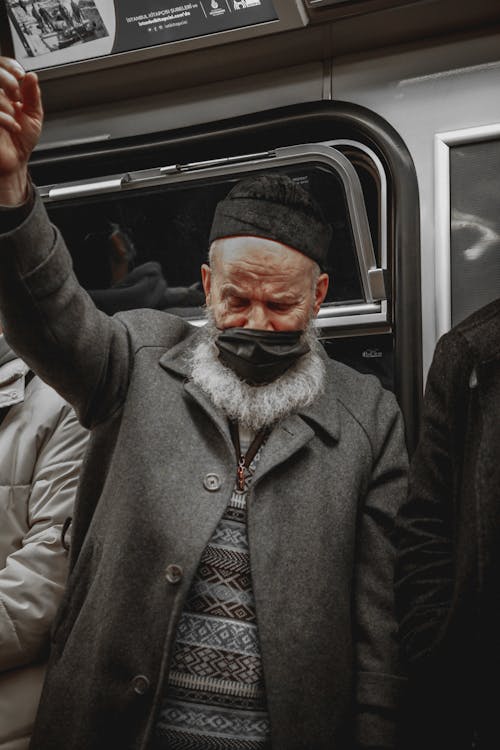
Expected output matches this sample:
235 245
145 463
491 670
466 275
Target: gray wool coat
156 479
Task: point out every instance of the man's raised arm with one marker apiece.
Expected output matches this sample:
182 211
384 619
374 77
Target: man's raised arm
48 318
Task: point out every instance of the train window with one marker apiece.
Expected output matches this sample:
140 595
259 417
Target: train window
165 215
475 226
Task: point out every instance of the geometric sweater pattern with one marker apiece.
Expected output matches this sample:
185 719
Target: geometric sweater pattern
215 697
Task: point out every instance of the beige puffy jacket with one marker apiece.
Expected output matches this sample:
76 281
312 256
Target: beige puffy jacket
41 448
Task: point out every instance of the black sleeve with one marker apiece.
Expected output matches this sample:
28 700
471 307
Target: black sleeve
11 218
425 526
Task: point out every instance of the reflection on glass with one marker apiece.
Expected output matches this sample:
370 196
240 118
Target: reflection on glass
475 226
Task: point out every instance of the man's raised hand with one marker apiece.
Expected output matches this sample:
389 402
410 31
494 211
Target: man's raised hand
21 117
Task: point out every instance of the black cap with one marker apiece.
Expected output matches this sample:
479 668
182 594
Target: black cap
275 207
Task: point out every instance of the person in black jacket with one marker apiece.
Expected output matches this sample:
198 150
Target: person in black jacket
448 572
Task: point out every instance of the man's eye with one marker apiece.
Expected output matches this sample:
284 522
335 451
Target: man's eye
279 306
237 303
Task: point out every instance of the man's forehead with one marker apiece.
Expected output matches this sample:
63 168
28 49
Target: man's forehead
251 249
280 292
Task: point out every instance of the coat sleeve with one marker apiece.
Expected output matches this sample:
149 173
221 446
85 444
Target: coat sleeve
52 323
32 581
379 679
425 569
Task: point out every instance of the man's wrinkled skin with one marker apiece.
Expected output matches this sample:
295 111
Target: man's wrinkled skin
262 284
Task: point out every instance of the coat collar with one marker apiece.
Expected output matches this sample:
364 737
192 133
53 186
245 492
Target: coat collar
324 412
12 382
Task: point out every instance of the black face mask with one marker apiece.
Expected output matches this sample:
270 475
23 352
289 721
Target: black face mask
259 356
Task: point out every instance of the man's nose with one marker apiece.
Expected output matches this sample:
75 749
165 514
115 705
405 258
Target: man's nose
258 319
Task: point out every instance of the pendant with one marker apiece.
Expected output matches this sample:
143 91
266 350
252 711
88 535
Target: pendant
240 475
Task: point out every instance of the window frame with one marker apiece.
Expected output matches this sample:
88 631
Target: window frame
374 309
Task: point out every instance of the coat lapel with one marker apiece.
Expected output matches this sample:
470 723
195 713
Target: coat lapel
296 430
288 437
176 360
214 414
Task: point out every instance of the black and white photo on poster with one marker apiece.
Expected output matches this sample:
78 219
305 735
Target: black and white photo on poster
54 32
55 29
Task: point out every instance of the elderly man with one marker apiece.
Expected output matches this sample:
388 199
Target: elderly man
231 559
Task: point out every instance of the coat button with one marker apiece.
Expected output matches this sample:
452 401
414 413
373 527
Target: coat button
173 573
140 684
212 482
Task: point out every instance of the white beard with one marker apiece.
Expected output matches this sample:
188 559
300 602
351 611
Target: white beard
253 406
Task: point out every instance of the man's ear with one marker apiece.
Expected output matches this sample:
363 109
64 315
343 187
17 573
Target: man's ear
206 280
321 290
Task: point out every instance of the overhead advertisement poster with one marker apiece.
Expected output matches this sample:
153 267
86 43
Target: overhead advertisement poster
54 32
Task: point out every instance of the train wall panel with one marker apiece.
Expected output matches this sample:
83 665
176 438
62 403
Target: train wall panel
422 92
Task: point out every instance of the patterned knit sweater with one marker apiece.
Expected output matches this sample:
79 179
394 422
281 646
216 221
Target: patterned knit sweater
215 697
